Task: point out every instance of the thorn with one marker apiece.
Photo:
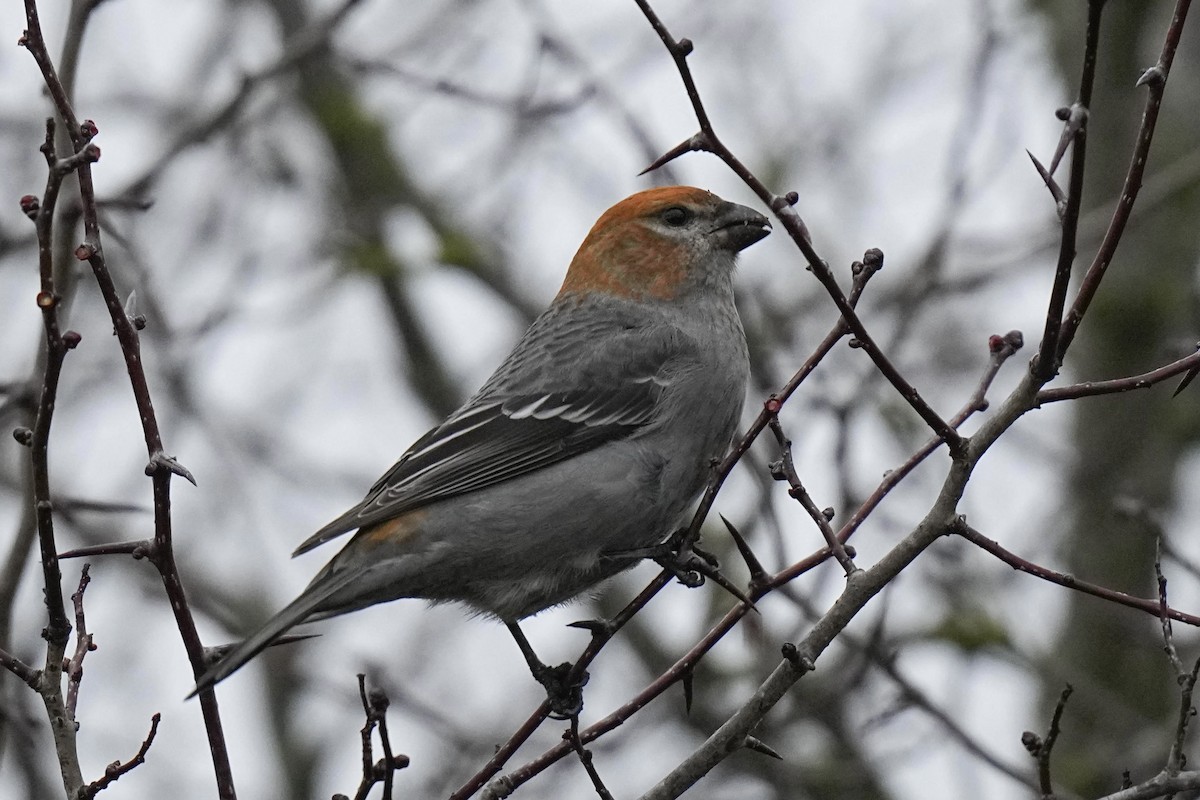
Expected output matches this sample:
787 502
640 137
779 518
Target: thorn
597 627
161 460
1155 76
1188 378
138 548
688 680
1075 117
757 573
696 143
1060 199
755 744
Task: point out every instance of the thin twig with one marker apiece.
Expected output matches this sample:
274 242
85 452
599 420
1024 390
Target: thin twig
1000 349
785 469
58 627
375 705
1177 760
585 758
1117 385
1164 619
1075 132
1155 79
1041 748
116 769
138 548
1153 607
83 643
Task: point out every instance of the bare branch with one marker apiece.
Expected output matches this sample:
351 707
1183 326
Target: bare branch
1155 79
116 769
1132 383
83 643
1075 132
785 212
1149 606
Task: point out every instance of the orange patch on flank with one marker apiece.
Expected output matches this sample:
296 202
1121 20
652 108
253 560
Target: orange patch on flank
393 531
621 256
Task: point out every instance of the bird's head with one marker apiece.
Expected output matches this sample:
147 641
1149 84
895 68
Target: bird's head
661 242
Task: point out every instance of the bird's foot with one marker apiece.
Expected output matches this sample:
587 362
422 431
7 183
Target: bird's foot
564 691
688 563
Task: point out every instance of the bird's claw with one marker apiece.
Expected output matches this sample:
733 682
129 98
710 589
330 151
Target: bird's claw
564 692
689 564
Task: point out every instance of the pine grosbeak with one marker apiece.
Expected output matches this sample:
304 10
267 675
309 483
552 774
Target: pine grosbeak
591 439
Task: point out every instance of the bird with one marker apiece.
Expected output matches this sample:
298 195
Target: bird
585 447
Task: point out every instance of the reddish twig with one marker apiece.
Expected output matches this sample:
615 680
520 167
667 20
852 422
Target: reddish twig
1000 349
585 758
116 769
1117 385
1149 606
1155 79
785 470
602 632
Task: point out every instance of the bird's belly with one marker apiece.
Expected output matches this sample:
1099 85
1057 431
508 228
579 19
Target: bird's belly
546 541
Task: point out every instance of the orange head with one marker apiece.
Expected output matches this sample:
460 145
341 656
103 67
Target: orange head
656 243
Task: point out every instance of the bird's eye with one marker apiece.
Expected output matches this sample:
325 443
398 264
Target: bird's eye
677 216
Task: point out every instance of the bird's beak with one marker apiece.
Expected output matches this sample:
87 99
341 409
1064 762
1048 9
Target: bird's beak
737 227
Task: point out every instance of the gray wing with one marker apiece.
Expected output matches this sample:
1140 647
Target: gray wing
580 397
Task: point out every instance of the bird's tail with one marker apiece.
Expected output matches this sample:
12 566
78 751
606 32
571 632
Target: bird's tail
296 612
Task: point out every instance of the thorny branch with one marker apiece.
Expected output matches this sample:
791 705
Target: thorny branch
861 585
784 209
1155 81
1154 607
797 659
1050 353
160 467
785 470
1001 348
